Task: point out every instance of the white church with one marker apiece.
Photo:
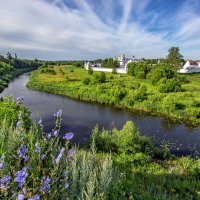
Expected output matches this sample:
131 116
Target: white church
123 61
190 66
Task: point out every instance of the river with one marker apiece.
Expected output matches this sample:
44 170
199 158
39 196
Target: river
81 117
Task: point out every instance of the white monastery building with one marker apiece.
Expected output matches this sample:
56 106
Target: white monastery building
123 61
190 66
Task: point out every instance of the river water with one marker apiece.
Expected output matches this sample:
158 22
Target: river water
81 117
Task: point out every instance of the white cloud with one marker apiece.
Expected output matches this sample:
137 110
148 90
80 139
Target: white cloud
38 26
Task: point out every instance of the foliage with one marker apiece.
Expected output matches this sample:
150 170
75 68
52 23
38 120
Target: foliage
122 165
127 143
90 70
86 80
49 70
139 70
9 112
39 165
171 85
110 63
99 78
174 57
12 66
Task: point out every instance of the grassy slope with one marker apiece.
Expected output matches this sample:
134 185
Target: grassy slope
181 105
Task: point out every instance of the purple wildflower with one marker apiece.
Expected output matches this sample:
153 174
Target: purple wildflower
35 197
21 176
42 156
25 158
58 114
20 197
49 136
68 136
1 161
55 133
24 191
5 181
37 148
18 124
22 150
71 152
60 155
46 185
66 185
20 99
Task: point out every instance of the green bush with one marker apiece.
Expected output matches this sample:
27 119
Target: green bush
172 85
86 80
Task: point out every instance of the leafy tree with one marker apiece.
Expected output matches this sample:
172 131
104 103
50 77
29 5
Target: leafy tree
174 57
138 70
110 63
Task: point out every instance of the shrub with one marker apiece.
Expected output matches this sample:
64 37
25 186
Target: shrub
90 70
102 77
172 85
125 142
114 70
48 71
86 80
141 93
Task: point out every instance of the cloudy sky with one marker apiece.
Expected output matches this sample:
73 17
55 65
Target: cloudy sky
90 29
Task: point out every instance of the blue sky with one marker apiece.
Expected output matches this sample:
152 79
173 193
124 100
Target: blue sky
90 29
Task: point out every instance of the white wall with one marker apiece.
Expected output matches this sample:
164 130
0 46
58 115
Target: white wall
120 71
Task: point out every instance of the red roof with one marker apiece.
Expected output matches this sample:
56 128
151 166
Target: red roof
193 62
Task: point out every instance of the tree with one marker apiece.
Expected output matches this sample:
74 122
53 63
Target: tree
174 57
15 56
110 63
9 56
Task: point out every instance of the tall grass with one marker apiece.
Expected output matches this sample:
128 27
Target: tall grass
35 164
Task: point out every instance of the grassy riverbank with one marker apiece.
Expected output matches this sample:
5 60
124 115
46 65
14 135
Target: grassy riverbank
117 164
12 67
123 91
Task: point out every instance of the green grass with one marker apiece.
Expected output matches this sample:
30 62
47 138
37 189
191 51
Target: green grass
123 91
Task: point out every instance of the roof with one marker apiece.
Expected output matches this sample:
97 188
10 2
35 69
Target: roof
193 62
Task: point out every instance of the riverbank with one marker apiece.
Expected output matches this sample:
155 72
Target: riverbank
5 80
13 67
121 91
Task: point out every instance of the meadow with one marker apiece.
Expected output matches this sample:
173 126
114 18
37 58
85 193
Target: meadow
176 98
116 164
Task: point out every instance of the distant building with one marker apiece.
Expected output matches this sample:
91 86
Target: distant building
190 66
123 62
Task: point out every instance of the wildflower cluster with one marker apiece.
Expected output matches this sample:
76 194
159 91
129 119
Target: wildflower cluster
37 154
